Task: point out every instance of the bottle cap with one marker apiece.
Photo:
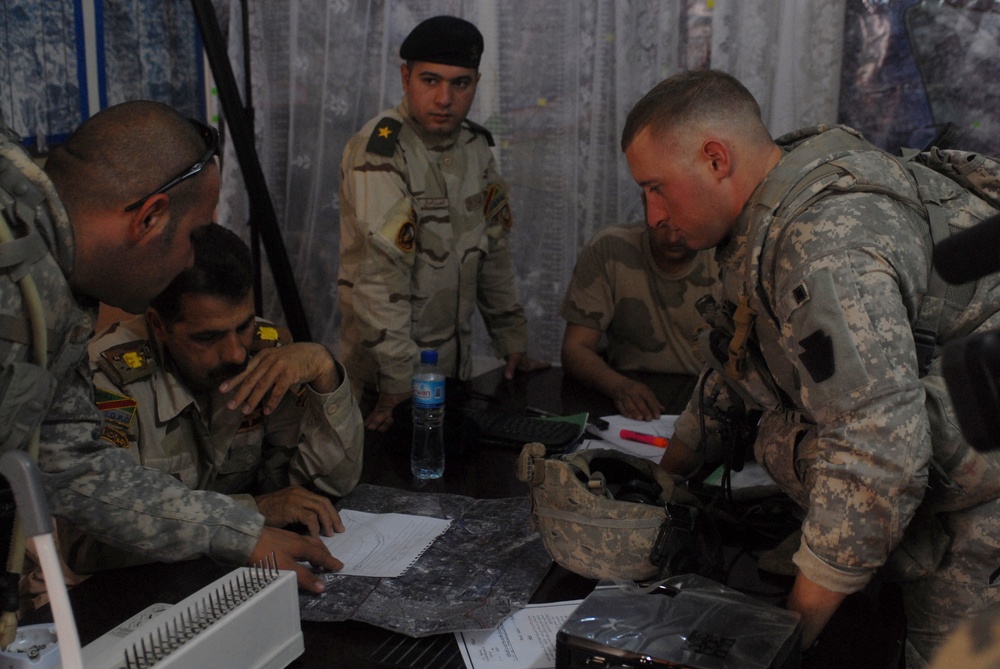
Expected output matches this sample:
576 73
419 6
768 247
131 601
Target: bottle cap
428 357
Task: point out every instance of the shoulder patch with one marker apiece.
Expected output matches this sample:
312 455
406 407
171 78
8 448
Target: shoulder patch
496 207
129 362
480 130
817 356
115 436
117 410
384 137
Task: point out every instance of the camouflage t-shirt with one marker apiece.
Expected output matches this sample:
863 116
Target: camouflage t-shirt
648 316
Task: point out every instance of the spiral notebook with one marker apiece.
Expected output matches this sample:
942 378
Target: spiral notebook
382 544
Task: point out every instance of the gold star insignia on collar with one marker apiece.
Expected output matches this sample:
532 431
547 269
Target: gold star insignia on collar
384 132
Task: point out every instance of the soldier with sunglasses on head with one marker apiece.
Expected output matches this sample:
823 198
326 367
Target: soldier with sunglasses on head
111 219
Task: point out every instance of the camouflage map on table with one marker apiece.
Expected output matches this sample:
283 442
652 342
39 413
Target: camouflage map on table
486 565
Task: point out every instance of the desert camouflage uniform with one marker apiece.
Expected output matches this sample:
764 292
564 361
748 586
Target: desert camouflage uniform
311 439
87 483
847 421
648 316
424 224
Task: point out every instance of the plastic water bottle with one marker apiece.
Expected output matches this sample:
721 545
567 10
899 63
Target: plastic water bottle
427 454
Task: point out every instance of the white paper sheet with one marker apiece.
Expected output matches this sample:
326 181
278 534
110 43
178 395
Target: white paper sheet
382 544
526 639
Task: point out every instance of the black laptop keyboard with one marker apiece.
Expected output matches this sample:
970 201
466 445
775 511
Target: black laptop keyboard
514 430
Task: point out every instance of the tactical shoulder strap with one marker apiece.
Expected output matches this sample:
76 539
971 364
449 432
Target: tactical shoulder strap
798 174
786 193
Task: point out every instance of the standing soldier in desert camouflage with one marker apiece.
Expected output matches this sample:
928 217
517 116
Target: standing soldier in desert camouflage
424 226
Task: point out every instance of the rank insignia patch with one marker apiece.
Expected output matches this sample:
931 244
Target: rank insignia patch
384 137
267 333
116 409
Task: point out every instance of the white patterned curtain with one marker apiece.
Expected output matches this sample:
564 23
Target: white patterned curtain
558 79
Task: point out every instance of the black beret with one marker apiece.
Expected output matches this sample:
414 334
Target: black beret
448 40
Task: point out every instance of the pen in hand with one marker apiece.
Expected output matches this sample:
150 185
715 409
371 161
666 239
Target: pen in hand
650 439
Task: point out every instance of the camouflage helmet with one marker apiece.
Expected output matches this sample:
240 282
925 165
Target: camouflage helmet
599 512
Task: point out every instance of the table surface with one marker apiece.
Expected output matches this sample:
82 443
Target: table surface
861 635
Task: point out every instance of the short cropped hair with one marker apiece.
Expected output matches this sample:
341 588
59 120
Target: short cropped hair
121 154
695 95
222 268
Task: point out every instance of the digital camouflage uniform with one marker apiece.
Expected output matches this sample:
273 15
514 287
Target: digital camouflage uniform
311 439
424 224
88 484
648 316
848 423
974 645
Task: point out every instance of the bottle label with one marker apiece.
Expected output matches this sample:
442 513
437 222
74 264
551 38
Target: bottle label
428 392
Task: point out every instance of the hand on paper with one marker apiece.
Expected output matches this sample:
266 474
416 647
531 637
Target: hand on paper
295 504
289 549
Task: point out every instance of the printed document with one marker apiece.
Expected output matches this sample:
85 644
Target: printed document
526 639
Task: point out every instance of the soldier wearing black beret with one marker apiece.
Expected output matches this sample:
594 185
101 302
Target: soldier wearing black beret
424 224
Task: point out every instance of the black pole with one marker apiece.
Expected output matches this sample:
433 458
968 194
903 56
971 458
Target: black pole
258 285
263 218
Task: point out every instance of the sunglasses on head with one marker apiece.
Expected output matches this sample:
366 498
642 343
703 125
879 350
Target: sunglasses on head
211 138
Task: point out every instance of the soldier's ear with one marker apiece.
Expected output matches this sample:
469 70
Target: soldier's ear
717 157
150 218
155 323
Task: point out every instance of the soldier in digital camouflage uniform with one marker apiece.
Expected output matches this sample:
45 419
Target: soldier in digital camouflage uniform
156 380
424 224
820 288
636 286
105 222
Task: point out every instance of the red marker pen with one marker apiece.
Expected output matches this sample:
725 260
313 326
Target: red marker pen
650 439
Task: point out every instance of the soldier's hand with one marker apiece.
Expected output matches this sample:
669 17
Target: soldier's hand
274 371
636 401
289 549
295 504
520 362
380 419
